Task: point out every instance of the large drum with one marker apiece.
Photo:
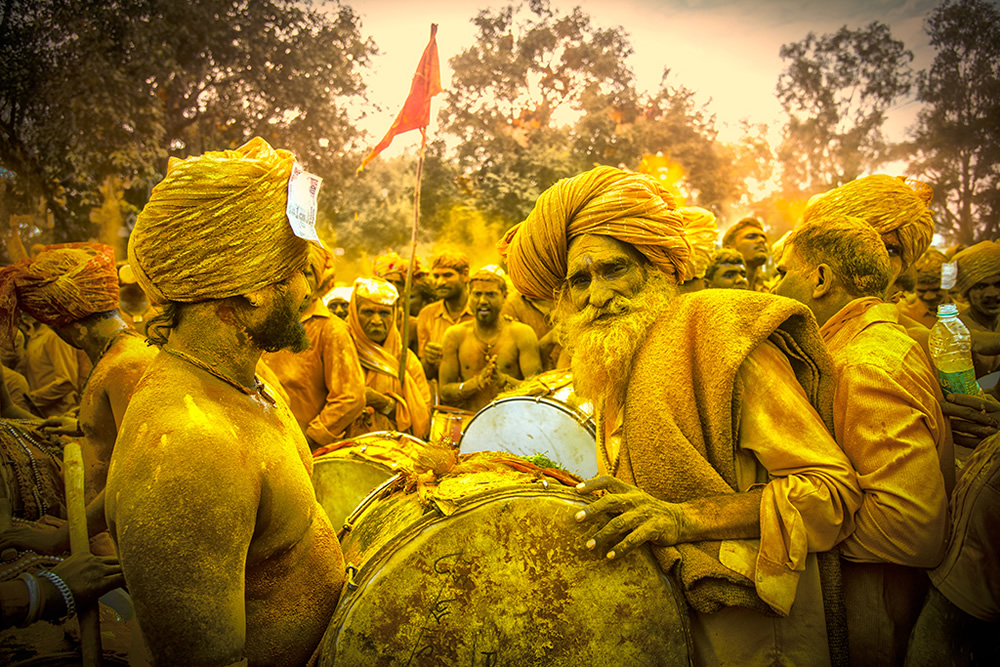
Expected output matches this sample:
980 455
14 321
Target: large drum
489 567
541 417
346 472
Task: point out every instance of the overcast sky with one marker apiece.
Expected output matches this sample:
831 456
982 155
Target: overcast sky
724 50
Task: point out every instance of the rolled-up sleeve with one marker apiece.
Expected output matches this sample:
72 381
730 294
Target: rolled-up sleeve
810 489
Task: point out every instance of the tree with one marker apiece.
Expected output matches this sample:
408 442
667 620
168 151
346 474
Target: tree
514 91
957 135
836 91
96 89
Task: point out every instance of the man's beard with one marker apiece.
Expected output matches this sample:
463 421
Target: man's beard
280 330
603 349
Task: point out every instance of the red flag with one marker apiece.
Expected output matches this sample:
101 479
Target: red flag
416 111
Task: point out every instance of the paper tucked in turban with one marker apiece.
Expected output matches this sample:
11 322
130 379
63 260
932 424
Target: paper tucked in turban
632 208
216 226
887 203
62 284
977 263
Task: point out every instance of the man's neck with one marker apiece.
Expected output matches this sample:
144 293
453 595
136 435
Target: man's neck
454 305
488 331
222 344
93 334
753 273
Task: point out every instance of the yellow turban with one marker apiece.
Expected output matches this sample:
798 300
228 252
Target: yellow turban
888 204
217 226
632 208
928 267
977 263
62 284
701 231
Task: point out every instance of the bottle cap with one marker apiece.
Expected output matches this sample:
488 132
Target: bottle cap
947 309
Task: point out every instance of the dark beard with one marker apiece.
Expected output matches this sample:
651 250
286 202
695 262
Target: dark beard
280 330
603 349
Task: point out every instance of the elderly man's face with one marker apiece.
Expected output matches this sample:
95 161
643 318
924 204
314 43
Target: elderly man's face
599 268
339 308
984 297
751 242
729 276
375 319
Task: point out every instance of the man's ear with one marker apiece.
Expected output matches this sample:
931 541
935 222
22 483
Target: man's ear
254 298
823 279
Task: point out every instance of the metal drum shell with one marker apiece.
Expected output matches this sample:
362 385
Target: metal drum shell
498 577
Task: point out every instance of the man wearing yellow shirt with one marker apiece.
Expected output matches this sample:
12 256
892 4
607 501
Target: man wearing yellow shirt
450 276
708 431
887 417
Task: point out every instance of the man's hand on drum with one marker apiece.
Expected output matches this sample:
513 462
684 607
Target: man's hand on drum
629 517
973 418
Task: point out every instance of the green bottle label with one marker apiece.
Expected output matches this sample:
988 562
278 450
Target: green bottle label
959 382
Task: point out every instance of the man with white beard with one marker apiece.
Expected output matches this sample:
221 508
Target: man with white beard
709 438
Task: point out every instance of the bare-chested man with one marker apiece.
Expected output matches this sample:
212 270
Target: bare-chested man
227 554
82 308
491 353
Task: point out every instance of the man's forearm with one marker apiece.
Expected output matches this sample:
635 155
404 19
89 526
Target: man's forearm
729 517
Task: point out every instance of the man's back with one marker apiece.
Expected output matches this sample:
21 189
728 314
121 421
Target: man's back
187 440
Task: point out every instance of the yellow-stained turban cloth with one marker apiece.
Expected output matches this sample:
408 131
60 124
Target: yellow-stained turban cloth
216 226
701 230
888 204
977 263
928 267
62 284
630 207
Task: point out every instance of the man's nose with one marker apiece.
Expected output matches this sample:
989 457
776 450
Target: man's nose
599 294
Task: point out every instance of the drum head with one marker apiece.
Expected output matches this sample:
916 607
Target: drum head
502 580
529 426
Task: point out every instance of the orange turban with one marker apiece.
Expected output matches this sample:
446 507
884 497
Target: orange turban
389 263
701 230
62 284
217 226
632 208
977 263
411 408
887 203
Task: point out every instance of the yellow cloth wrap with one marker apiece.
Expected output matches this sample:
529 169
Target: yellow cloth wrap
632 208
701 230
888 204
216 226
412 412
390 263
977 263
63 283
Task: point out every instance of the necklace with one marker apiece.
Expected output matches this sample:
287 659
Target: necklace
258 387
486 347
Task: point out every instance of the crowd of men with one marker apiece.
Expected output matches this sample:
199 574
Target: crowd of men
781 442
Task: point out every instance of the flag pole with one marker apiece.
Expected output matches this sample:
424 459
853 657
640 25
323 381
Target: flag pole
413 260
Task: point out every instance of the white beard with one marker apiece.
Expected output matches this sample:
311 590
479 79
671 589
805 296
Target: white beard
603 349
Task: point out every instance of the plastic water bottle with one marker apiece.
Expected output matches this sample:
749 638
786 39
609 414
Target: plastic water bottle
951 350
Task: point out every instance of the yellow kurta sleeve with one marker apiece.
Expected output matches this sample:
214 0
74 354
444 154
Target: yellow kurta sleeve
811 491
345 383
887 430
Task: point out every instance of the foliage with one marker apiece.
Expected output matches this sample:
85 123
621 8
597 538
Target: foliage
957 136
89 89
514 90
836 90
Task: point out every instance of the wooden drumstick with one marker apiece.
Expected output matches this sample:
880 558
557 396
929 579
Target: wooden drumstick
79 542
